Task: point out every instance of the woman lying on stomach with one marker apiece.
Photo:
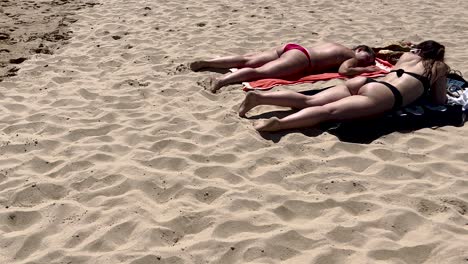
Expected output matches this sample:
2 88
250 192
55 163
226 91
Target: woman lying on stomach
420 72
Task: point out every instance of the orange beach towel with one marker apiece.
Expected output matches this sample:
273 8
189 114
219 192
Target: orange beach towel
266 84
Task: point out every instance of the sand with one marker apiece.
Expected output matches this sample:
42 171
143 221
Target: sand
111 152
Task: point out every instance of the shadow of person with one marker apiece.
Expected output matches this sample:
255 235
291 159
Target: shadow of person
278 135
365 131
221 71
267 115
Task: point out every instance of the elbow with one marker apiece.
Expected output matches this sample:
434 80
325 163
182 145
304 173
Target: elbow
345 72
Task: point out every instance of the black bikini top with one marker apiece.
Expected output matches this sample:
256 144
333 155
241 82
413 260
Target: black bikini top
423 79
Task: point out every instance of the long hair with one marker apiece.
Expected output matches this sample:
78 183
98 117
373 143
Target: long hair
431 52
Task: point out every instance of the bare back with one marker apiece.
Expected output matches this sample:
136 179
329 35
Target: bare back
328 57
410 87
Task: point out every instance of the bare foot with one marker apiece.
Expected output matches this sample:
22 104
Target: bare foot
272 124
211 83
215 84
249 102
197 65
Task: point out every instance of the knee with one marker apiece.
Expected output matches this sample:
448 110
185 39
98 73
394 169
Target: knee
250 70
310 101
260 72
331 111
249 61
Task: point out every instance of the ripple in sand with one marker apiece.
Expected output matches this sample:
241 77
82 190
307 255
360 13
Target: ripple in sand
15 220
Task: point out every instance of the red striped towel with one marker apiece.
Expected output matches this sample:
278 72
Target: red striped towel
266 84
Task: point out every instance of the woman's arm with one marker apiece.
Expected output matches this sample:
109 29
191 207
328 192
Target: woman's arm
350 68
439 85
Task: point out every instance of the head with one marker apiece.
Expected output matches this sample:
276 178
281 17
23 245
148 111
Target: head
365 55
430 50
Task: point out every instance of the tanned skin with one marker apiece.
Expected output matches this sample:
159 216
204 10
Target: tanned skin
275 63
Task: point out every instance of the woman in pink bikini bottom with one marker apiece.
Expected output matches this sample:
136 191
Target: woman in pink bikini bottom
290 59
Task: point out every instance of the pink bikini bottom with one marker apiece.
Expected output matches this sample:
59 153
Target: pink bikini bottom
291 46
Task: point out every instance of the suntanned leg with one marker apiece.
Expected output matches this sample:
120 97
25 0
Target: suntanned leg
352 107
293 99
280 98
252 60
289 63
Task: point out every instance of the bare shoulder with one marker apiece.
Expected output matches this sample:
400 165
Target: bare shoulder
441 66
407 56
342 50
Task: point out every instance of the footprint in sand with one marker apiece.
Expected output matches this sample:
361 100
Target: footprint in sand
62 80
11 72
181 68
42 51
17 61
4 36
209 84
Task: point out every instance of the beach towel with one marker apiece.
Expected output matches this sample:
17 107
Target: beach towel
266 84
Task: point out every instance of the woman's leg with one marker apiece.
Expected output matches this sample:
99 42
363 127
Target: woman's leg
351 107
251 60
298 100
289 63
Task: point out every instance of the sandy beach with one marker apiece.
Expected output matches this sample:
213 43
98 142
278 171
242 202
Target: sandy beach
112 152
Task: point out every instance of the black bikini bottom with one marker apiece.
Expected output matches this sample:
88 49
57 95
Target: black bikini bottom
396 94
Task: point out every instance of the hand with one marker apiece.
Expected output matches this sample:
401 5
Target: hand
373 68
